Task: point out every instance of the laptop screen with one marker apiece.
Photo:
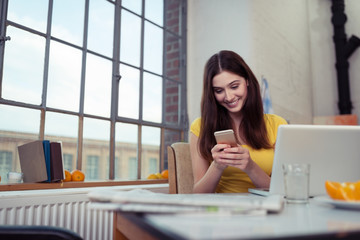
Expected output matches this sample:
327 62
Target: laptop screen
333 152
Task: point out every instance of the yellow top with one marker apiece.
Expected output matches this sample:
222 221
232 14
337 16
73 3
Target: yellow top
234 179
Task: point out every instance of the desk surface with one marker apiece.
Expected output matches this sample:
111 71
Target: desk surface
295 221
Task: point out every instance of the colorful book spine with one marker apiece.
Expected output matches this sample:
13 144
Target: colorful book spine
46 145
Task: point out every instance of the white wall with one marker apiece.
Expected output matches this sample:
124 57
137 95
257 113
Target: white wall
287 42
213 25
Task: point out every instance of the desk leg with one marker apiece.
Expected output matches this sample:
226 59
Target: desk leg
117 234
125 229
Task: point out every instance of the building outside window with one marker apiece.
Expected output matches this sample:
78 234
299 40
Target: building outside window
132 169
107 78
92 168
5 164
153 165
68 161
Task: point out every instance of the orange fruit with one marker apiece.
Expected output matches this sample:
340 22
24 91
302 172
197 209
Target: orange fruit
346 191
67 176
357 190
165 174
159 176
152 176
332 189
77 176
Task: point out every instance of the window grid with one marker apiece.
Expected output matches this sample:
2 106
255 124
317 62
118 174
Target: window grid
180 127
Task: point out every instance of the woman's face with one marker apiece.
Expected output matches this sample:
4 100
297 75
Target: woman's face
230 90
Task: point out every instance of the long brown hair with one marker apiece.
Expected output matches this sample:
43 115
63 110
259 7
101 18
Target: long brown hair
215 117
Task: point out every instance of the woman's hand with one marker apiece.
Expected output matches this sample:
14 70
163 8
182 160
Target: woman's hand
224 155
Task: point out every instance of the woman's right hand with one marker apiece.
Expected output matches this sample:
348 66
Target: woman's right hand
217 153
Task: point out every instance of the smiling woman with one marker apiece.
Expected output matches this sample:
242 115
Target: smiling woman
231 99
107 78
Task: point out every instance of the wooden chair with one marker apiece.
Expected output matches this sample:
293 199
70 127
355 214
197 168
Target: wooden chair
181 179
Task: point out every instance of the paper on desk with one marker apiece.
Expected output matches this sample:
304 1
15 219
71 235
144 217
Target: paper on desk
140 200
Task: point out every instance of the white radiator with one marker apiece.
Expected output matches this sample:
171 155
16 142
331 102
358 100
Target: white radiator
67 208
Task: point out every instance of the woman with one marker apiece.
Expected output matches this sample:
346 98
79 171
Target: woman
231 100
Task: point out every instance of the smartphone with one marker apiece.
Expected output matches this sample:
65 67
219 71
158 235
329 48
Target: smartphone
226 136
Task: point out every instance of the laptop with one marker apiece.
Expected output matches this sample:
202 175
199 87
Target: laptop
332 151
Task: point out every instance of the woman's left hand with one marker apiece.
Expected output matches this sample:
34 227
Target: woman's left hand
238 157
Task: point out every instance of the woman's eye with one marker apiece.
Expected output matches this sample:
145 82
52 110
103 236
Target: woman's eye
234 86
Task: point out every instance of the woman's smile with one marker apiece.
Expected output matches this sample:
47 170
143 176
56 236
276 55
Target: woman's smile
233 103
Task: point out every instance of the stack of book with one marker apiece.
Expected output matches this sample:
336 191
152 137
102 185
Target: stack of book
41 161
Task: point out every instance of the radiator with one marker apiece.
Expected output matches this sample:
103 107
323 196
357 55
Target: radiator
67 208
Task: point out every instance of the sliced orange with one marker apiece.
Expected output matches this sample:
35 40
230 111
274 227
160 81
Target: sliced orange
357 190
347 191
332 189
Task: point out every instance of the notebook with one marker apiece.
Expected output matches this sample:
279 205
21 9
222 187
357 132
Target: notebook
333 152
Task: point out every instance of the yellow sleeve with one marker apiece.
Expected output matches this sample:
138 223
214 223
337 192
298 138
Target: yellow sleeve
272 122
195 127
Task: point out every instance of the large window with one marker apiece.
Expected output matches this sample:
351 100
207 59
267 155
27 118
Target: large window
104 77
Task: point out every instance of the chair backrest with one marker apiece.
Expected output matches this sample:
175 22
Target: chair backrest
181 179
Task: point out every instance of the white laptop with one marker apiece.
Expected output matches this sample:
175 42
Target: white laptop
333 152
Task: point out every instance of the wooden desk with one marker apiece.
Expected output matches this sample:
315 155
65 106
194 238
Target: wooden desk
133 226
296 221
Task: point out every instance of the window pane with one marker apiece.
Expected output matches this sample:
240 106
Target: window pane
132 168
129 92
153 48
6 160
101 27
172 57
23 67
172 102
20 120
64 77
32 14
68 20
63 128
96 149
69 163
130 38
150 155
61 125
173 16
98 86
154 11
17 127
152 98
92 168
126 151
133 5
